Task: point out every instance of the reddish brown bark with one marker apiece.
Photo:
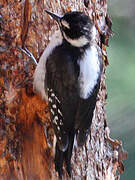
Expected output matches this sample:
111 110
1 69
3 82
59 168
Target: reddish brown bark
24 117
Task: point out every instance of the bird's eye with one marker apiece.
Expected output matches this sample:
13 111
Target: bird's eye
65 24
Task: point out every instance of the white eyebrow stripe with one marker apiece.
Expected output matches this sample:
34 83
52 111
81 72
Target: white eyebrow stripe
65 24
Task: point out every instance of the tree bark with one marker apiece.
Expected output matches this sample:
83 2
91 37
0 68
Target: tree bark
25 153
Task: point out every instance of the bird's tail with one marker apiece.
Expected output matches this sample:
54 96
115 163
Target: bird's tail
61 156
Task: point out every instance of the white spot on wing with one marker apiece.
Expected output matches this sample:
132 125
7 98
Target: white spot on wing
49 89
54 106
61 123
52 94
55 120
57 99
40 72
50 100
89 72
59 112
52 111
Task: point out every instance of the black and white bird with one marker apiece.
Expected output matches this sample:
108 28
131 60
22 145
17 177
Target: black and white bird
68 77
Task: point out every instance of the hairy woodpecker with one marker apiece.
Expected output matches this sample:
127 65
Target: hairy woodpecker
68 77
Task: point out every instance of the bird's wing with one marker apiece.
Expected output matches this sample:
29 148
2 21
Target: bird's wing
61 88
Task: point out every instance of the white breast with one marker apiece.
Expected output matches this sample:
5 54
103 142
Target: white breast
40 72
89 72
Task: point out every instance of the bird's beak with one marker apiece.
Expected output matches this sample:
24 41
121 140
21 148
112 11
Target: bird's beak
54 16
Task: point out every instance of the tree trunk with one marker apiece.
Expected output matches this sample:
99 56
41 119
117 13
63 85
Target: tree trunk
25 153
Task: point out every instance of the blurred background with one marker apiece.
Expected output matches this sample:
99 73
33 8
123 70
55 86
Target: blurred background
121 80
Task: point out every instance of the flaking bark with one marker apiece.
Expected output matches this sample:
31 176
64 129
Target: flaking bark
25 154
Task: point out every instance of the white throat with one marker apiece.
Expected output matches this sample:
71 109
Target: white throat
80 42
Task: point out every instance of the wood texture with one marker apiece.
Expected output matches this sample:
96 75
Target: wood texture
25 154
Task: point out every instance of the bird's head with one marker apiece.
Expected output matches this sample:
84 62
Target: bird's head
76 27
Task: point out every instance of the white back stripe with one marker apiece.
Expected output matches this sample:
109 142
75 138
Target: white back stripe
89 72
